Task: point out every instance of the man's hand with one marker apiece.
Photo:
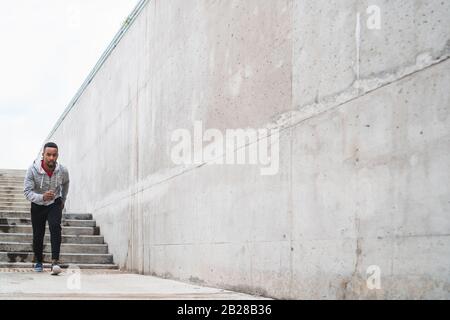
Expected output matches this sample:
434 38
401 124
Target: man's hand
49 195
62 205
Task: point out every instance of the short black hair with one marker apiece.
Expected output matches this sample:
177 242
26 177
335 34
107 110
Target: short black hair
50 145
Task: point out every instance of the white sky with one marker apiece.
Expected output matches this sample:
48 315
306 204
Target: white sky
47 49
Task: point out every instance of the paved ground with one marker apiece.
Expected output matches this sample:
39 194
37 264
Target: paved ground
102 284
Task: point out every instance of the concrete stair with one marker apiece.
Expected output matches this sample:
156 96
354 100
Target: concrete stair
65 230
22 214
65 247
82 245
66 257
28 238
66 222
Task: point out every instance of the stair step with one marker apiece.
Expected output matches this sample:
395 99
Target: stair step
26 214
72 239
7 172
16 202
65 248
11 191
15 207
9 208
64 257
12 183
29 265
14 180
78 216
21 200
13 196
8 193
65 230
15 221
78 223
11 188
65 222
12 177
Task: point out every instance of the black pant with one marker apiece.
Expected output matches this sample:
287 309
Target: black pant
39 217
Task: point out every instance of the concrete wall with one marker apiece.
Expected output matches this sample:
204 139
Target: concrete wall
364 146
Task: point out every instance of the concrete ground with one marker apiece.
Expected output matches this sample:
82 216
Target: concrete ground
16 284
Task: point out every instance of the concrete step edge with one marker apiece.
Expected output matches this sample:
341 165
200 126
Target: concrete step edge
20 234
65 229
64 220
14 203
9 182
12 179
83 213
47 248
9 193
62 244
28 211
29 265
29 226
63 254
72 239
27 214
20 256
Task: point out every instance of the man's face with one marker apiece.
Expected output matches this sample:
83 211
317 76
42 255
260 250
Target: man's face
50 157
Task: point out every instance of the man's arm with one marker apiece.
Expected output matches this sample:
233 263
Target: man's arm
28 189
65 186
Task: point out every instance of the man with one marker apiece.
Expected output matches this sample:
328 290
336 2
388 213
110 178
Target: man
46 186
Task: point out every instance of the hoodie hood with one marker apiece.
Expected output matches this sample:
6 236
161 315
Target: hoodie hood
37 182
38 167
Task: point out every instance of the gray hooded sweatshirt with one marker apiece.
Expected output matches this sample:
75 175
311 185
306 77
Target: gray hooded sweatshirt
37 182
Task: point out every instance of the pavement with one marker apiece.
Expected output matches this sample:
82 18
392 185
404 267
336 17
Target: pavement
82 284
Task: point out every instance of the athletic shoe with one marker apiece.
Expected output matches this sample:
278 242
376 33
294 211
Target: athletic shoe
56 269
38 267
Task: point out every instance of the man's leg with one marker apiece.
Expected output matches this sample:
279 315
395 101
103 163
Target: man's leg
38 220
54 224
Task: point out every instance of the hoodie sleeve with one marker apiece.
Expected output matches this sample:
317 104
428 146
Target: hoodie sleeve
65 185
28 189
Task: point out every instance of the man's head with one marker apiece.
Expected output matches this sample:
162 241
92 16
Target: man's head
50 154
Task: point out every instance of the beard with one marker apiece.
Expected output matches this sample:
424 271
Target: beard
51 164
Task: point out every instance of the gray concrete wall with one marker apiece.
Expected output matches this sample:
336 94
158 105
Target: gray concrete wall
364 147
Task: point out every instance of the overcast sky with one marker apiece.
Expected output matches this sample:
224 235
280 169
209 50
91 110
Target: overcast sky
47 49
